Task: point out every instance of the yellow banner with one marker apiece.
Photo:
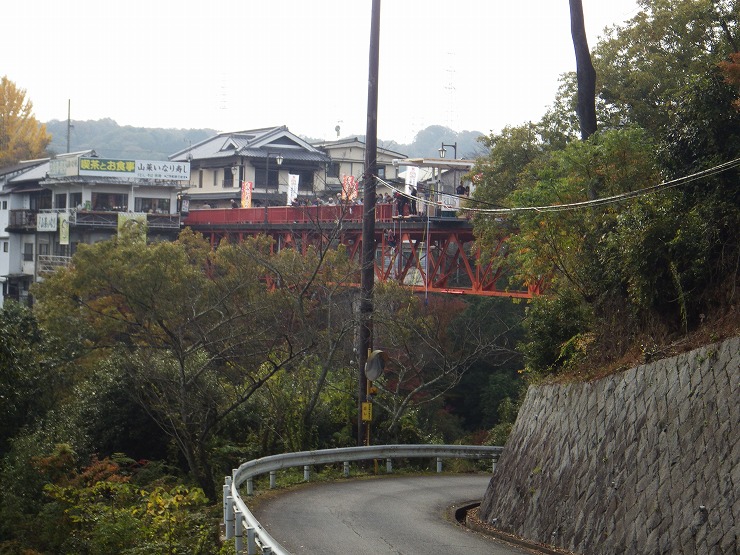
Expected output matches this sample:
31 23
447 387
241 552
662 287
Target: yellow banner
63 228
133 221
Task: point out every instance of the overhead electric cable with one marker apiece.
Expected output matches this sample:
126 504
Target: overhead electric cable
584 204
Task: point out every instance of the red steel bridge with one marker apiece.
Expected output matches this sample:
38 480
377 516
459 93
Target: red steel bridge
434 255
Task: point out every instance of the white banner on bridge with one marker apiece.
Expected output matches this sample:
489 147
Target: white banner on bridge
293 181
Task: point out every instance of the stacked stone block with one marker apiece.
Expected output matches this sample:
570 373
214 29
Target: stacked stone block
642 462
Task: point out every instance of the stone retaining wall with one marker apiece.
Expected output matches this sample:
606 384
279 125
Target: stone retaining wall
642 462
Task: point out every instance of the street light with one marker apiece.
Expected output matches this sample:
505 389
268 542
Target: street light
442 153
442 150
279 160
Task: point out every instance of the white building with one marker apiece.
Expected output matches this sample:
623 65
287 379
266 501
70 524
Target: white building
50 206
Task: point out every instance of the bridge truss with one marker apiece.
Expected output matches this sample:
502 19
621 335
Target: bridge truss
435 255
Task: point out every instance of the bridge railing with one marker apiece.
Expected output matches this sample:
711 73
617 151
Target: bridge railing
239 522
285 215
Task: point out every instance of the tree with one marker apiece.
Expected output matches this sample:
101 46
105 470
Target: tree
644 65
197 332
431 345
22 137
27 377
586 108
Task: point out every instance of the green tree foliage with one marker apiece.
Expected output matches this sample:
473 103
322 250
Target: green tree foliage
164 322
27 372
195 331
644 270
431 345
644 66
104 508
22 137
491 379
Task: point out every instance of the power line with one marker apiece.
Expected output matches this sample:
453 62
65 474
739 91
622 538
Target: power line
584 204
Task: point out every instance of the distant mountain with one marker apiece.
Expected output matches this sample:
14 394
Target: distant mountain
111 140
429 140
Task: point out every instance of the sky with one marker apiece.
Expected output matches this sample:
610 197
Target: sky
245 64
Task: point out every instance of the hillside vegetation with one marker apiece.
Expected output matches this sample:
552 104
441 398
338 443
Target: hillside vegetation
111 140
145 372
643 257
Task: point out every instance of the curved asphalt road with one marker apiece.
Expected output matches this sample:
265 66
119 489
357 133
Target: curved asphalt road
399 515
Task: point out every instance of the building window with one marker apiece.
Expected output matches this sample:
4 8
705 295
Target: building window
228 178
41 202
259 176
200 179
332 169
215 178
28 252
43 249
75 200
305 181
5 205
5 246
60 201
381 172
109 202
152 205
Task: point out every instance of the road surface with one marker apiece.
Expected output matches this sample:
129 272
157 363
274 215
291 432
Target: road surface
399 515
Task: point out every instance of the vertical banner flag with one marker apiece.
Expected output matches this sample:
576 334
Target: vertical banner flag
134 221
412 178
64 228
349 187
246 194
293 180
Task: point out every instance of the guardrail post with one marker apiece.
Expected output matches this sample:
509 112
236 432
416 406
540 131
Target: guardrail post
273 473
493 465
267 550
238 532
389 465
229 520
346 469
439 464
250 486
227 490
251 543
306 473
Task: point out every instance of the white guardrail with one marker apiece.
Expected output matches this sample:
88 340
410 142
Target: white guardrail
240 523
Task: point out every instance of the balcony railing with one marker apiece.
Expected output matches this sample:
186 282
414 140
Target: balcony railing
110 220
22 219
48 264
25 220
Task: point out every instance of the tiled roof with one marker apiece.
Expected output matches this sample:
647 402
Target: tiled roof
252 144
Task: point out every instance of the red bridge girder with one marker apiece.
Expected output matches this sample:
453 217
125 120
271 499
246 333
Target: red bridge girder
438 255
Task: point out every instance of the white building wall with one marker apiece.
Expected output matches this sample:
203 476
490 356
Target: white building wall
4 241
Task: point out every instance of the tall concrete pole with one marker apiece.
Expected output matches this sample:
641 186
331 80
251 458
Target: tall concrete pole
368 220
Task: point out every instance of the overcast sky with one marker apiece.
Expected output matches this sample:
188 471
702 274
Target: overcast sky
243 64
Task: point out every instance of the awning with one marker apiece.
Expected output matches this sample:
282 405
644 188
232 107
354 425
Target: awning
441 163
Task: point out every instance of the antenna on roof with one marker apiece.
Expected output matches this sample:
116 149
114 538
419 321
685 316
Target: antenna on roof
69 121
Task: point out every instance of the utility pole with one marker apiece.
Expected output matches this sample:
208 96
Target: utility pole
368 221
